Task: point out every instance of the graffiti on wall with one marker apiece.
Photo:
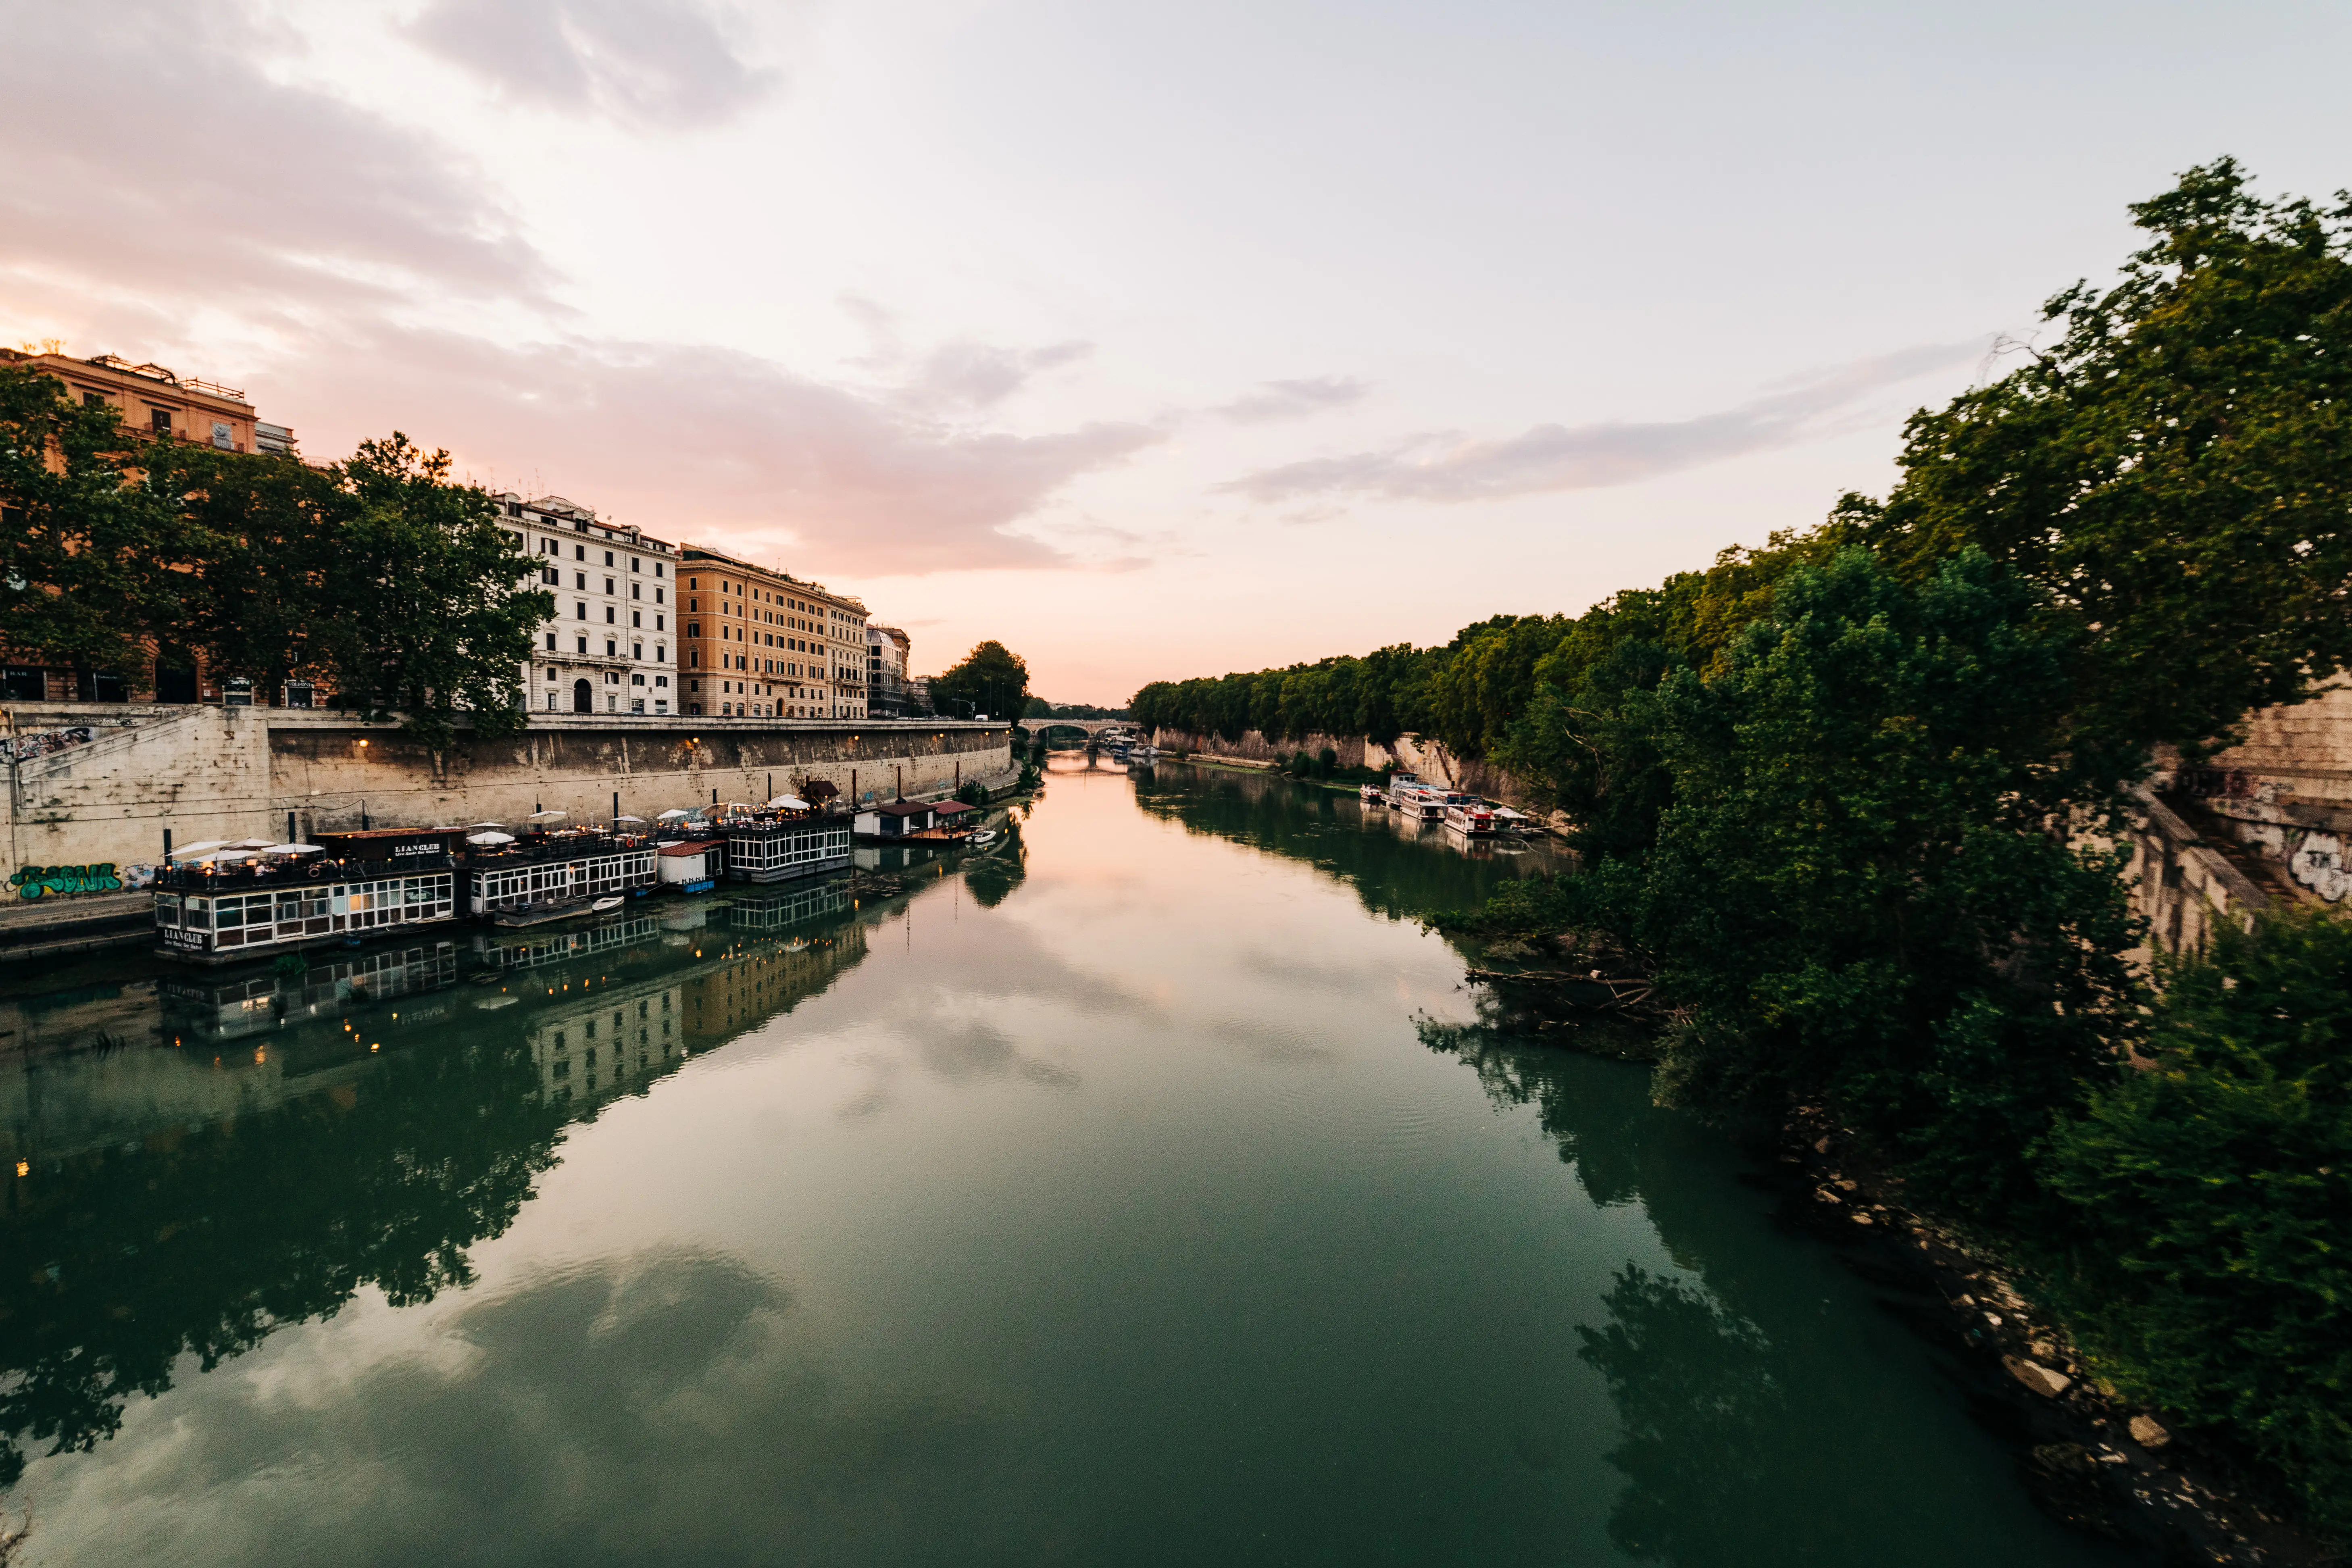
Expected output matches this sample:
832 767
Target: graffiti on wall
2319 864
41 742
44 882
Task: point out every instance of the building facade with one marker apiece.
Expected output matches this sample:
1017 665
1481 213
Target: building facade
609 647
888 652
159 402
766 645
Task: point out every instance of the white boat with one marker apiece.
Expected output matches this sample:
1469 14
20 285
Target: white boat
1419 804
984 838
1473 818
1373 794
606 906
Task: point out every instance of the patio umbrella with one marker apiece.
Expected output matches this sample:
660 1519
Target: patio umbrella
628 820
250 844
491 838
291 849
229 855
195 850
548 816
673 814
789 803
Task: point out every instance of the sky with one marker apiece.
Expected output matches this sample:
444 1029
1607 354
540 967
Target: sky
1152 341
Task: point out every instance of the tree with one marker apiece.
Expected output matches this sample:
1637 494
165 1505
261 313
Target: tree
85 542
2171 471
2213 1202
433 617
992 679
1864 887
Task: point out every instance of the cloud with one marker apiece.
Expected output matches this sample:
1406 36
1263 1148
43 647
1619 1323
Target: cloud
658 64
1294 399
1450 467
152 157
715 446
969 376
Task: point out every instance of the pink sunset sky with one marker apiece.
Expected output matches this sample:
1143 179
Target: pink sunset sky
1155 340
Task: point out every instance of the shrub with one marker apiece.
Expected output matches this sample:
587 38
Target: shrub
2214 1276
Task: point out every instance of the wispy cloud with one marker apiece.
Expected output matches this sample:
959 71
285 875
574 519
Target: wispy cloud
1294 399
970 376
1449 467
658 64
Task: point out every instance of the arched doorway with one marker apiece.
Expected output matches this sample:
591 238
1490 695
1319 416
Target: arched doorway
583 700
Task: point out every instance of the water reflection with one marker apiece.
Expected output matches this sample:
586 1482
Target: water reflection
204 1159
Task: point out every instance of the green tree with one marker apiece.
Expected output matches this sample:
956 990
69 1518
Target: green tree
2213 1203
991 679
85 544
1863 886
434 619
2171 469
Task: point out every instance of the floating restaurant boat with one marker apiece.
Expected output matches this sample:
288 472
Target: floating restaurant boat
550 867
243 903
1471 817
779 846
1418 802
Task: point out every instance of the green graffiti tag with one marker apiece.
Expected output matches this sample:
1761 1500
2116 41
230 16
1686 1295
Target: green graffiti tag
40 881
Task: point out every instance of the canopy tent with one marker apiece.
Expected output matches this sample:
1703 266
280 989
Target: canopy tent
489 838
193 850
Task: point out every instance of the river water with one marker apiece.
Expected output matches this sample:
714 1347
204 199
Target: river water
1145 1192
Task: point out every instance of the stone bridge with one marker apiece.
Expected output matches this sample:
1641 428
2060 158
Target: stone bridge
1092 729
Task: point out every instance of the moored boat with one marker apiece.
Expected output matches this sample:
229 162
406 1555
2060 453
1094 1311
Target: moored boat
1373 794
1473 818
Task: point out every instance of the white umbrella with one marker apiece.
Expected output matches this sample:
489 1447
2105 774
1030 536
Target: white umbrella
291 849
485 825
628 820
491 838
250 844
789 803
229 855
673 814
547 816
193 850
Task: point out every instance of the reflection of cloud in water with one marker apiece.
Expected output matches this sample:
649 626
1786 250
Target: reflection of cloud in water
1300 973
1271 1043
669 1407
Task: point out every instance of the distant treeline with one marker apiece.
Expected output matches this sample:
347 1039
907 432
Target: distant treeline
1844 802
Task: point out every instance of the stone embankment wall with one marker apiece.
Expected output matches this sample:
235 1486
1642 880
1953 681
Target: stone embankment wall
87 813
1428 758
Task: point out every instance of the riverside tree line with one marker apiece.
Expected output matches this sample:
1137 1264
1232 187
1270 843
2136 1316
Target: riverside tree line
1852 801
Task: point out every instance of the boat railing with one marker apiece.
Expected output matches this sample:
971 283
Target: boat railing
245 876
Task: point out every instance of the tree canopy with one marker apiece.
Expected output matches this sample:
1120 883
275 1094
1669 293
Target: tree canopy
992 679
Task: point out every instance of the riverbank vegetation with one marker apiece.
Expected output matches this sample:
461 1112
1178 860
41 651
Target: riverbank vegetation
1850 800
379 577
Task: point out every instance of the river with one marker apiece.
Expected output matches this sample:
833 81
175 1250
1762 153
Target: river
1149 1192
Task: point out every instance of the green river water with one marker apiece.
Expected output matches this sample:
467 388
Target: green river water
1145 1192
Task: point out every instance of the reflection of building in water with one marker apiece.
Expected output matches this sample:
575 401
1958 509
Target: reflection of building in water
606 936
766 978
775 911
198 1009
622 1039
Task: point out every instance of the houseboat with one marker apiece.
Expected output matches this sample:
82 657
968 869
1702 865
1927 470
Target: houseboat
1417 803
693 865
545 868
1373 794
896 819
1472 817
248 904
765 848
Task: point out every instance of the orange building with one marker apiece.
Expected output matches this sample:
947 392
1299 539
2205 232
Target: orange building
766 645
155 401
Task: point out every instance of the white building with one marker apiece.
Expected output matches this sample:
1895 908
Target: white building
608 647
888 650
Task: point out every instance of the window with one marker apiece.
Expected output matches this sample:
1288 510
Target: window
658 568
93 400
580 582
637 650
550 642
659 623
609 613
551 576
608 560
584 642
694 582
694 629
612 650
160 420
580 611
608 581
580 550
657 595
636 618
635 564
636 591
